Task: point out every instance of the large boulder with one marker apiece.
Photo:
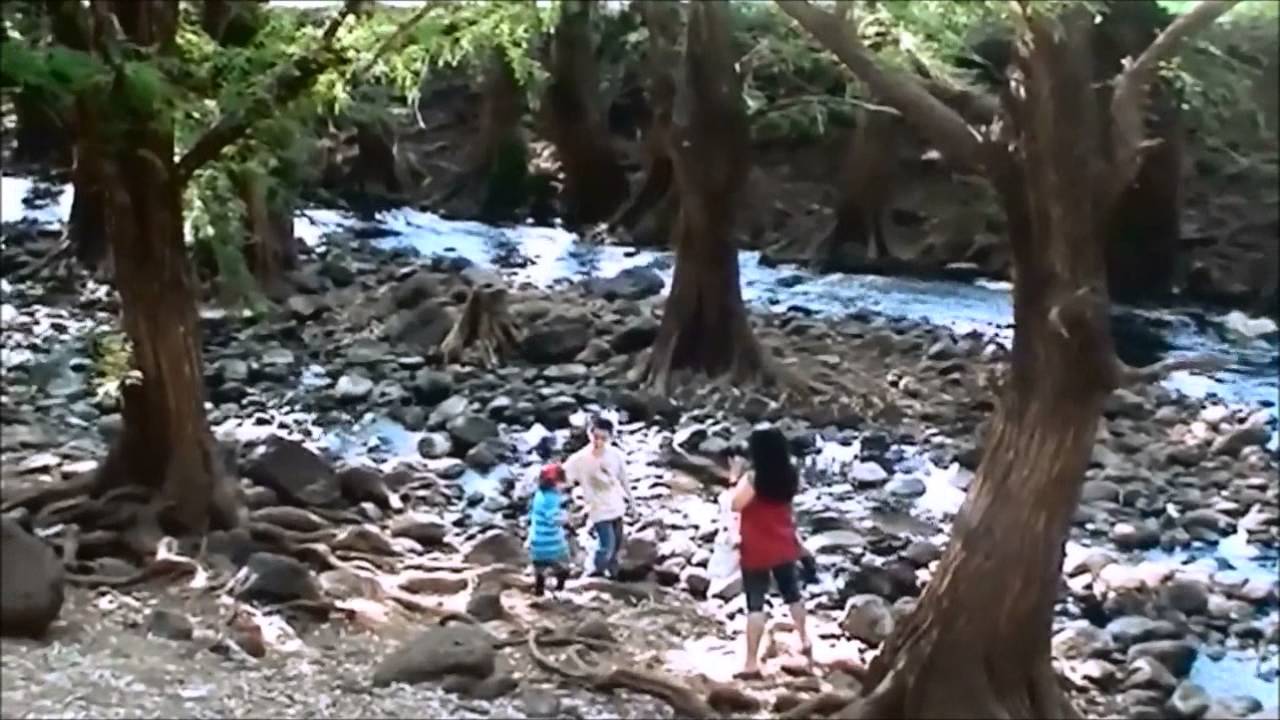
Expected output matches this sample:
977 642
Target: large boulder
437 652
637 558
421 328
497 547
635 336
295 472
468 431
629 284
867 618
276 578
431 387
32 592
423 528
1176 655
557 339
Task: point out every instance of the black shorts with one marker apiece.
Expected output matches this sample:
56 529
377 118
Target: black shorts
755 584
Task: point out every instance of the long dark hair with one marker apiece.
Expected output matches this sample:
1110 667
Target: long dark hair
776 478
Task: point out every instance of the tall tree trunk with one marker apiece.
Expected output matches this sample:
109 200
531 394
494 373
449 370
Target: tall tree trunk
981 648
272 248
594 182
704 325
499 162
166 442
867 179
86 227
1144 231
648 216
977 643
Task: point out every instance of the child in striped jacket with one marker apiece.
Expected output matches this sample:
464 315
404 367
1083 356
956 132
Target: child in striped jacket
548 546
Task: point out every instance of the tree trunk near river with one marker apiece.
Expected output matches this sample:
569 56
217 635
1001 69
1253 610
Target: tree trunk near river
977 643
166 443
594 181
648 216
704 325
867 179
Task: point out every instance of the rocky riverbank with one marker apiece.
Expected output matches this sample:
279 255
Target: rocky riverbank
345 429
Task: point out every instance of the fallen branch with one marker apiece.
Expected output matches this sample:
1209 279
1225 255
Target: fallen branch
686 702
1127 375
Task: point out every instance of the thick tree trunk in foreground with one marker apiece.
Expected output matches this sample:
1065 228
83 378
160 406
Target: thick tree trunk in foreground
977 643
594 182
704 322
166 443
649 214
867 179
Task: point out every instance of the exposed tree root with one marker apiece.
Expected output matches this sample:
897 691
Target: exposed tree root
168 562
485 329
687 702
35 499
819 705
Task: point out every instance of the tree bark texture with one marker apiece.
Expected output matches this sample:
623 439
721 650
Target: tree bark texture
41 135
867 179
704 325
649 213
1145 228
594 181
977 643
500 158
166 442
271 248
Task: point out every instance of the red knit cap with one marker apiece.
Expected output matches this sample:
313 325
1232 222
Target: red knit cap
551 473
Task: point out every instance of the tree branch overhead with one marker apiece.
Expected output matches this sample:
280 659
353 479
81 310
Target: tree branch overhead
945 128
1131 85
287 84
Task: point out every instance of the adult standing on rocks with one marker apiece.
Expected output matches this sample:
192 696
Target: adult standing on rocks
600 469
769 546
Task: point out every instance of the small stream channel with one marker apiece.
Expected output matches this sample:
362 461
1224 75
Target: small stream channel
547 257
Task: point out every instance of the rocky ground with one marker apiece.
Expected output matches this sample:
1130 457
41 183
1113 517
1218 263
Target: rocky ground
385 493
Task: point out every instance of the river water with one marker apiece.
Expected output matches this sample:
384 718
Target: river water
547 257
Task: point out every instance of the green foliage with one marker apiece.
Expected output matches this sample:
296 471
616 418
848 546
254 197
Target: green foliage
56 72
1220 75
216 230
111 354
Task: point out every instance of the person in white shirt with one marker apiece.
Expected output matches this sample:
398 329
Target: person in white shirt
601 470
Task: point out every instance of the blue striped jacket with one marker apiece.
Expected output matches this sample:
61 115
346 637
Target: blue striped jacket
547 542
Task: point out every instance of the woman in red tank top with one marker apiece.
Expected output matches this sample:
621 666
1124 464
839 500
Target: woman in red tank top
769 546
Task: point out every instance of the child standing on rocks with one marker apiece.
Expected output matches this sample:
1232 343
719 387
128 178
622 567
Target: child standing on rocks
548 547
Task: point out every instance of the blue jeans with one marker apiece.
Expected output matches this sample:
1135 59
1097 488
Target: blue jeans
608 545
